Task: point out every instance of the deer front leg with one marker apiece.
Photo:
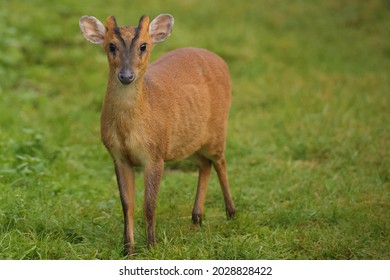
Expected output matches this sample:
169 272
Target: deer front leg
125 178
153 172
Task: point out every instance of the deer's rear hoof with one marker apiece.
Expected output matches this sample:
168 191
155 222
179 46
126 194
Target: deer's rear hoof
230 213
197 219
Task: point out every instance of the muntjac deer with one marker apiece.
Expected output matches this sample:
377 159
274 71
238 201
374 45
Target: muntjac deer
174 108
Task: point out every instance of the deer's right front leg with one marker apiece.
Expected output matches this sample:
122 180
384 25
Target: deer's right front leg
153 172
125 178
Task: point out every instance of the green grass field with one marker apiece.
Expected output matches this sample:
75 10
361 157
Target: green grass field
308 145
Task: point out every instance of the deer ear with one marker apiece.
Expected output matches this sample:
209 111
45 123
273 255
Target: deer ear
93 30
160 28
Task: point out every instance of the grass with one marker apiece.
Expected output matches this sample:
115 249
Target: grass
308 140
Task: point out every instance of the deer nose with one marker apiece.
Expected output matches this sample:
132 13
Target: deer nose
126 77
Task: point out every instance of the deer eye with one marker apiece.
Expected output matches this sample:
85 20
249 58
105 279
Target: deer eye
143 47
112 47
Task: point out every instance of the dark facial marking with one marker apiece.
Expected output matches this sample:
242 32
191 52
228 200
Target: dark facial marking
137 31
119 35
136 35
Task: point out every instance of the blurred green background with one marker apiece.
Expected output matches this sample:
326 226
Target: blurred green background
308 140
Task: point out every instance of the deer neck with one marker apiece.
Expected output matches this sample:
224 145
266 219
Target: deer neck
127 99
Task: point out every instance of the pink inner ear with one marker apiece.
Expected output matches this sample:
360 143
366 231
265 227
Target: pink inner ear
93 29
160 27
96 37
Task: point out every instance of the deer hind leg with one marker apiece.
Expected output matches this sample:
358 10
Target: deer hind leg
220 167
204 175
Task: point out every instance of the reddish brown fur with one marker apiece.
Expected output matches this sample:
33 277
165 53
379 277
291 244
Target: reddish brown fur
175 108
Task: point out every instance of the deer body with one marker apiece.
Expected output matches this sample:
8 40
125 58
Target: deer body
172 109
177 114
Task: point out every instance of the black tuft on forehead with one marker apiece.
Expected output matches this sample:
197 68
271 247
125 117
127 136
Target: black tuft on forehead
136 34
118 34
138 28
141 20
